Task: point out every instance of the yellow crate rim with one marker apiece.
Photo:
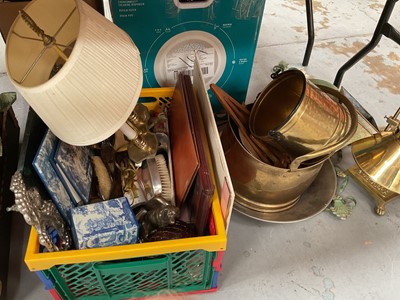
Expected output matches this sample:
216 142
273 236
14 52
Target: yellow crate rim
37 261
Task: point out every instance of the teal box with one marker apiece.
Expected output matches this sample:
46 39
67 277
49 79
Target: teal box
168 33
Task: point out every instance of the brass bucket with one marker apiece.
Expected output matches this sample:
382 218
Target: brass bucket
260 186
298 114
265 188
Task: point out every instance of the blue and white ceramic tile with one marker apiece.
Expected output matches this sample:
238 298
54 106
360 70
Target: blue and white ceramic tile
49 177
73 163
103 224
71 190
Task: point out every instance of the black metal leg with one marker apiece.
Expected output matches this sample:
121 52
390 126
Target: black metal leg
382 28
310 30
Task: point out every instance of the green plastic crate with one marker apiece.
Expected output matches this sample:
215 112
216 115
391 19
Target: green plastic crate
188 265
135 278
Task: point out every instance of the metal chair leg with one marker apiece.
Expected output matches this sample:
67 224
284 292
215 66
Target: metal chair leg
310 31
382 28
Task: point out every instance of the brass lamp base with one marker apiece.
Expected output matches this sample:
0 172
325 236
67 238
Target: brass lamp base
380 194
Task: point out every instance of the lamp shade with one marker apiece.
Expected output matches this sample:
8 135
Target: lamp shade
379 157
87 96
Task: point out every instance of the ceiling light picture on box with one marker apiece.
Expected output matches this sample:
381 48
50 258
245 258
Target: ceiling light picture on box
168 33
78 71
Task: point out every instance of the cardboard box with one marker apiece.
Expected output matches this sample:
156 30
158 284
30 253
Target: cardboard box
224 34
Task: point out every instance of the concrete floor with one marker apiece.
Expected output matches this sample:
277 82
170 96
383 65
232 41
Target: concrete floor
322 257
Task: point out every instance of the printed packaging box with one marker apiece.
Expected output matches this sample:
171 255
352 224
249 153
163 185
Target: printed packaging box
168 33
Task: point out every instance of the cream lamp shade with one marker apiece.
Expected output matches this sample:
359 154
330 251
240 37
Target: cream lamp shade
77 70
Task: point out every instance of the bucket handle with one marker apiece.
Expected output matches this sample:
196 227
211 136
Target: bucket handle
328 151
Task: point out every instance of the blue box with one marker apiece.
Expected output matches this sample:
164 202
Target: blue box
107 223
224 34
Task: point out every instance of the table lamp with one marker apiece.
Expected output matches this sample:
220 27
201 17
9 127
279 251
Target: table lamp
77 70
378 163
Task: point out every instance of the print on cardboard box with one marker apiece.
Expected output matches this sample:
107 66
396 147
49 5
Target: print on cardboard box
224 34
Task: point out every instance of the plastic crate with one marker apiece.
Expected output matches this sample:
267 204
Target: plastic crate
135 278
137 270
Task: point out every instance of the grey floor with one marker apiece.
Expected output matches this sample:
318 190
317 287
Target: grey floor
322 257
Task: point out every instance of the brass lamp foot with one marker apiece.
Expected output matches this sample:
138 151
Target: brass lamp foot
380 210
379 194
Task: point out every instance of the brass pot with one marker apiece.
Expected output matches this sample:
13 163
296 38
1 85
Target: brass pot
298 114
265 188
260 186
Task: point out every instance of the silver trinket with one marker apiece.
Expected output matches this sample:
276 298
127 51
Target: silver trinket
40 213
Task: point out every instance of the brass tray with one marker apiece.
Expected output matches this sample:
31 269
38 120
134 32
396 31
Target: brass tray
313 201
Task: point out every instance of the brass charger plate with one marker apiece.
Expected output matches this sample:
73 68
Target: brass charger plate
313 201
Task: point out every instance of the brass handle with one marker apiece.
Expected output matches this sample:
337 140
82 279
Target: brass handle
328 151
